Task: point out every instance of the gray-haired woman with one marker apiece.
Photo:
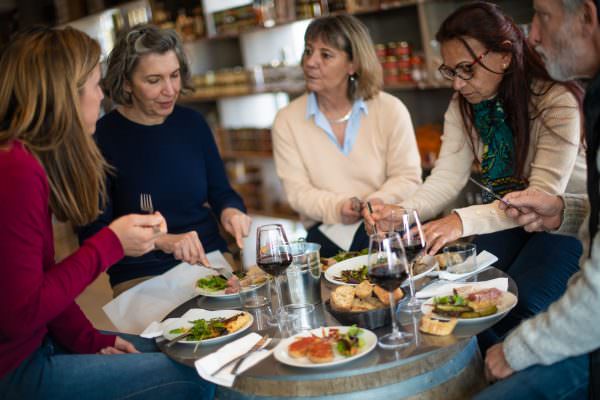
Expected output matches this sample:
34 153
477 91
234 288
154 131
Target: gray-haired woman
166 150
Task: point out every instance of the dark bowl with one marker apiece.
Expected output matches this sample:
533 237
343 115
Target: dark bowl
365 319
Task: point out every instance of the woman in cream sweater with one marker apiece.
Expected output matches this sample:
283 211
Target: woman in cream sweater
522 129
344 142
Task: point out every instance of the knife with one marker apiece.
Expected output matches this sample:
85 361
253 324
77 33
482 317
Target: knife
257 346
494 195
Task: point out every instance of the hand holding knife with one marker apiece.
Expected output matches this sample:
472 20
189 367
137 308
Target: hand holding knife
494 195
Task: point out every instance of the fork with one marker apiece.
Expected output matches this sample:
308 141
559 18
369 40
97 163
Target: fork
221 270
147 207
238 360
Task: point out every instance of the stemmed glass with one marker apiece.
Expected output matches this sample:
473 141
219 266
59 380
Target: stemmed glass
388 268
408 225
274 255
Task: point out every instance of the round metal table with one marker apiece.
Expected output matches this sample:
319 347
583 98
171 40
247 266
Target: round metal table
431 367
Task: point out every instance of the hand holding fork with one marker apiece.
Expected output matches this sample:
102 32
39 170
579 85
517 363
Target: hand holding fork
147 207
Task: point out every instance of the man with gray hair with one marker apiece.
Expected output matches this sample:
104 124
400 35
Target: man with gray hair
555 354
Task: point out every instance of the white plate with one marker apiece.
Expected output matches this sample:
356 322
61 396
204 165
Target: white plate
356 263
219 293
507 302
281 353
205 314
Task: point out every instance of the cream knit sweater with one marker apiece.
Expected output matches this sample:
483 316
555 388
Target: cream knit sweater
555 163
317 177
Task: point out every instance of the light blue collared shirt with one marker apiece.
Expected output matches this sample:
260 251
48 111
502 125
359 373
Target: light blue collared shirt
352 127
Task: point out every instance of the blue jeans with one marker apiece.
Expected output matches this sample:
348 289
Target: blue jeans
567 379
51 372
540 263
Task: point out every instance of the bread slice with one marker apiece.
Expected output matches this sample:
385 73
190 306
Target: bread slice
437 326
359 305
364 290
320 352
300 347
342 298
384 296
375 302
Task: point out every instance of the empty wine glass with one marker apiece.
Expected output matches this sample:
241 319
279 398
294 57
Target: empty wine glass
273 255
388 268
408 225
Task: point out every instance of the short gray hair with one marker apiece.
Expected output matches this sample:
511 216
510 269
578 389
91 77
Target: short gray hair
130 47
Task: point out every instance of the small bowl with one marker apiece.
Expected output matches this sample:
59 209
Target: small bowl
371 319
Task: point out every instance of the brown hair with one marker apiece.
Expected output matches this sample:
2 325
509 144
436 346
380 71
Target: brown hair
487 23
130 47
348 34
43 73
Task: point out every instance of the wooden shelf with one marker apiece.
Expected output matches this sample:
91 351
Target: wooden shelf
357 12
299 89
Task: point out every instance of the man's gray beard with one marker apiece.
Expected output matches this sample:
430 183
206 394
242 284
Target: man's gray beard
559 66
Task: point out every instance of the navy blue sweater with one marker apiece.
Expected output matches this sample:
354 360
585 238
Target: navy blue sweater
178 163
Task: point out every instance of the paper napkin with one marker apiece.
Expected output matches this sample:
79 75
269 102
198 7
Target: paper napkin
441 288
484 260
207 365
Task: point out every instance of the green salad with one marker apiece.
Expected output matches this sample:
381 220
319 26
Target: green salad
353 276
203 329
213 283
349 343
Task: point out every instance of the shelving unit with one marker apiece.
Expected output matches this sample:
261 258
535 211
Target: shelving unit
414 21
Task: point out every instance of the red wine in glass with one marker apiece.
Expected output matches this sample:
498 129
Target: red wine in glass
275 265
413 251
389 279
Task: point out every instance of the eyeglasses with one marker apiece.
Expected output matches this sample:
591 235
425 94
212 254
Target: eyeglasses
464 71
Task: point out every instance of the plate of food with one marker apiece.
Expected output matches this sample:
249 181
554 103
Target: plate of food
207 327
354 270
470 304
220 287
325 347
342 256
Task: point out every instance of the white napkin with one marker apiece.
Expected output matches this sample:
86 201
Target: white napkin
207 365
155 329
441 288
340 234
484 260
134 309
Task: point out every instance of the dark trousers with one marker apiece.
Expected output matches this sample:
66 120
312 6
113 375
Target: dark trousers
330 249
540 263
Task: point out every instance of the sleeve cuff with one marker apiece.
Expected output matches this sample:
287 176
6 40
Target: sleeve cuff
575 211
518 355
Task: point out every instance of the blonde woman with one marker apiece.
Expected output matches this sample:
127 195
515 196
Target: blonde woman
345 141
49 165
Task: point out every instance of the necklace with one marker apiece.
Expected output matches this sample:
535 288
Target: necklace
341 120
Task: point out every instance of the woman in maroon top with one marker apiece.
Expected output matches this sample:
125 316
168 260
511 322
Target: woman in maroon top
49 164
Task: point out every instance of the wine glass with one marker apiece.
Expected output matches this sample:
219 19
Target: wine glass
408 225
388 268
274 255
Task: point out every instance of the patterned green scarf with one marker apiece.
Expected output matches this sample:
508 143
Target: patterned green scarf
498 163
